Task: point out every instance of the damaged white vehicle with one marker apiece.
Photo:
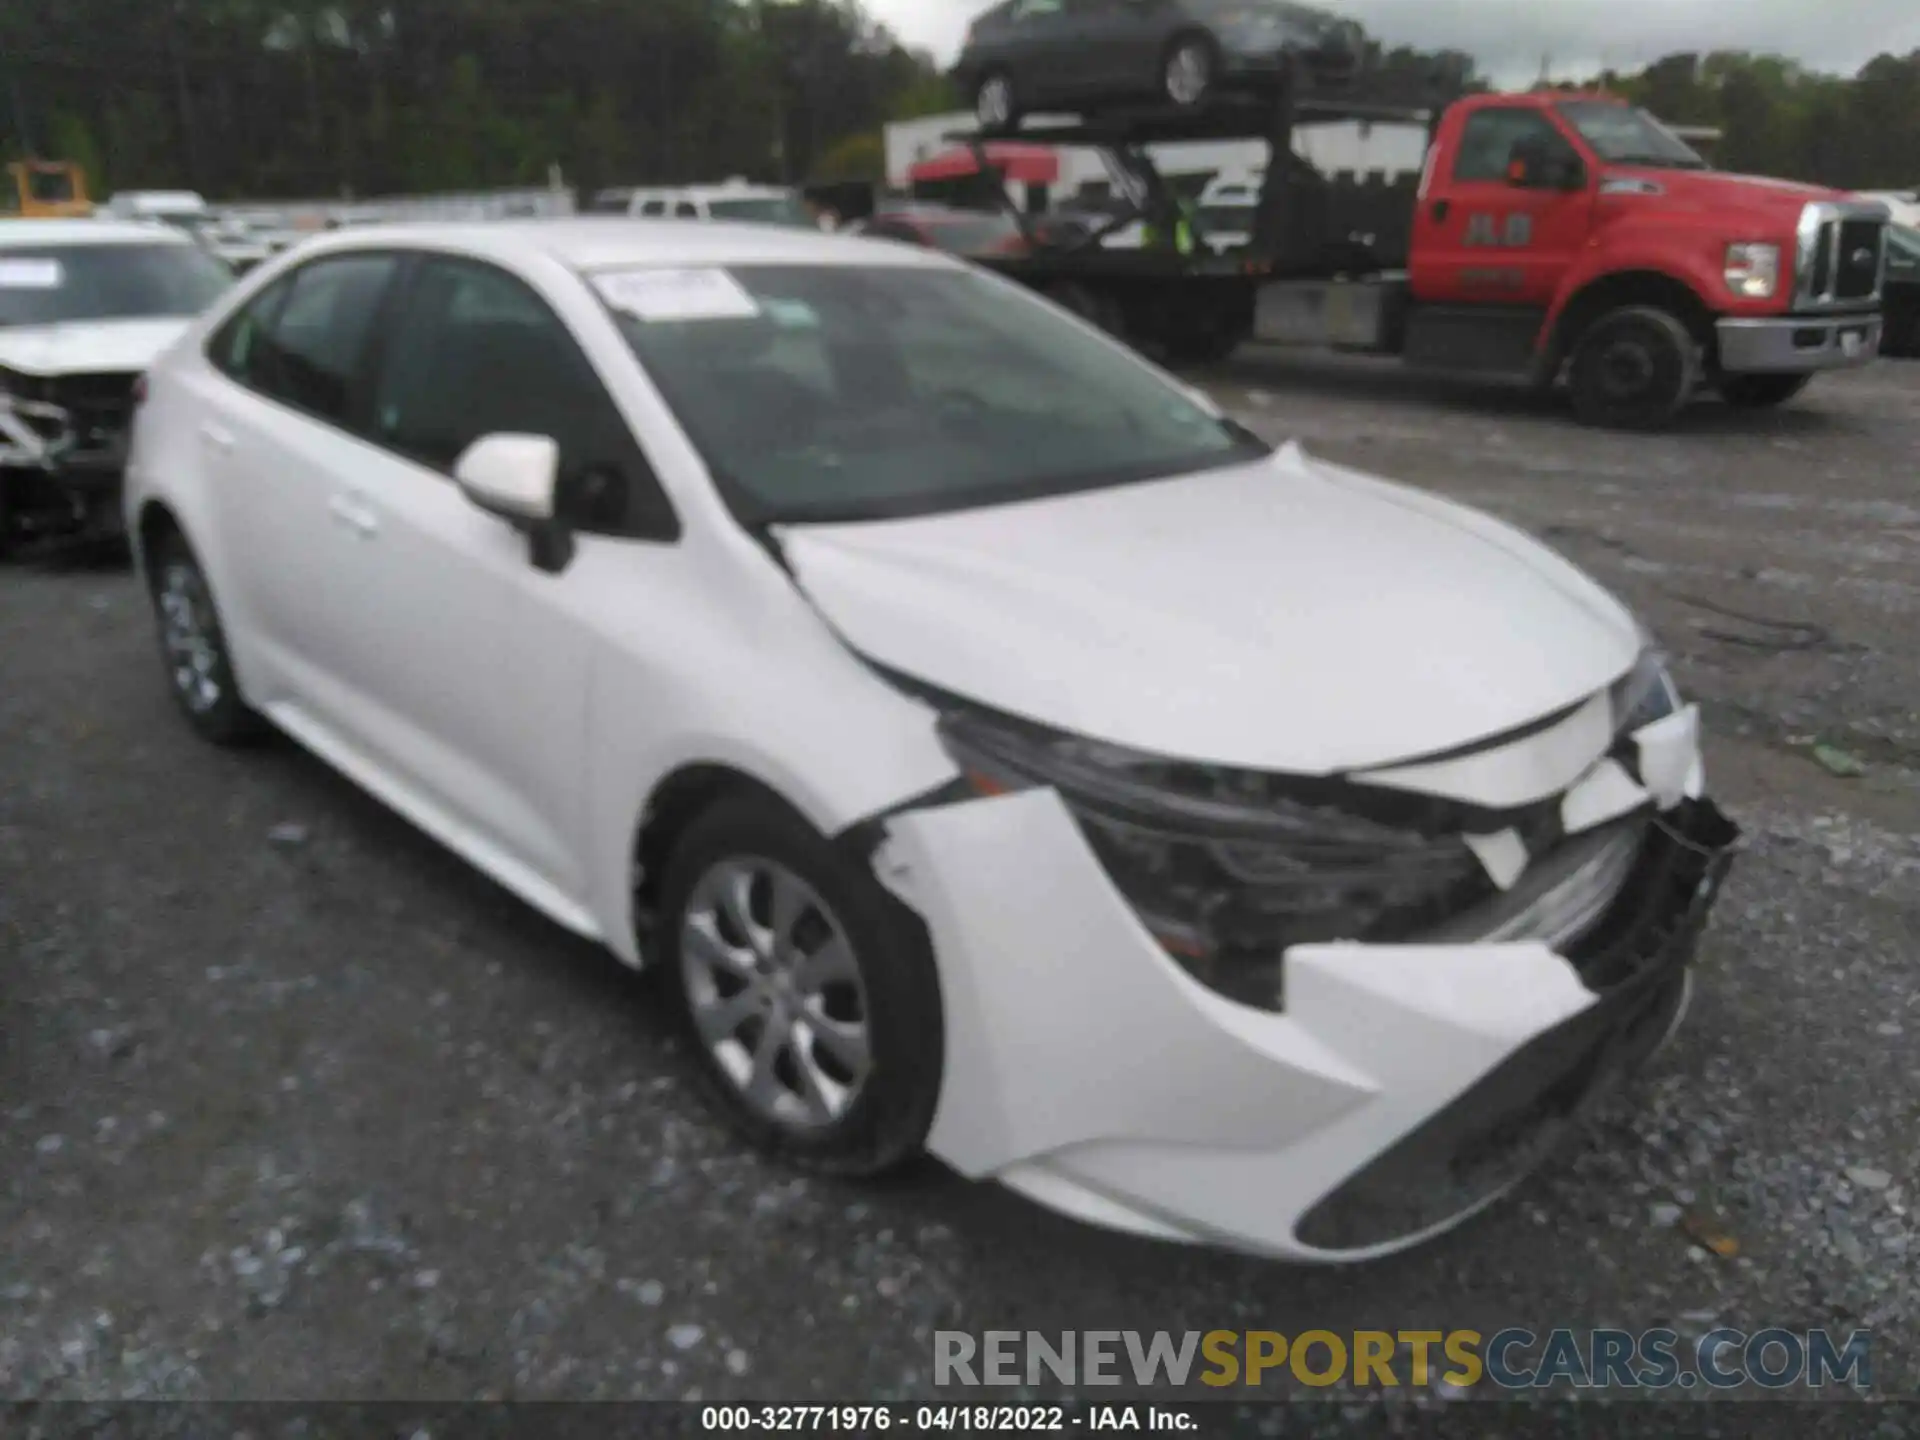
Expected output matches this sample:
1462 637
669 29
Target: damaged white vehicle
85 306
1004 754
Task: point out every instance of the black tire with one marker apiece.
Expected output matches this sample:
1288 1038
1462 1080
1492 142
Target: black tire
988 114
1634 369
1198 49
886 1122
215 708
1758 392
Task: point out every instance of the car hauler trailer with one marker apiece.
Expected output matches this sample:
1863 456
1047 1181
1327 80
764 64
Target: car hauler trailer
1552 237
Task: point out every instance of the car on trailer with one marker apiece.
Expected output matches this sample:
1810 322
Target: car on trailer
1552 238
1024 57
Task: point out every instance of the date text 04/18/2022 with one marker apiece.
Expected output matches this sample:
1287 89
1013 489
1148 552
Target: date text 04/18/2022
938 1419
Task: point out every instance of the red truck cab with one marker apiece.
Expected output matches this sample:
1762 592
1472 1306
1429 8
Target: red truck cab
1570 234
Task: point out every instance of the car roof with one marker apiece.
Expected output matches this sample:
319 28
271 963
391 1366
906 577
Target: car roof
87 232
611 242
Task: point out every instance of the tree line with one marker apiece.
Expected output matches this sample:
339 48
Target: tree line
310 98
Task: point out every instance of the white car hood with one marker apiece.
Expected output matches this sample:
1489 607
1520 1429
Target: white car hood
1286 615
89 347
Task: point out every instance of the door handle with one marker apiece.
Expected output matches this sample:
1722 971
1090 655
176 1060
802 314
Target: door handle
352 511
1440 209
216 437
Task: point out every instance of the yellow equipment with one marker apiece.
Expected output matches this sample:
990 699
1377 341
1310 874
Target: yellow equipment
45 190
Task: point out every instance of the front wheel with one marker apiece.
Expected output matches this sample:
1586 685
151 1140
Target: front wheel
1634 369
996 109
807 992
1757 392
1191 67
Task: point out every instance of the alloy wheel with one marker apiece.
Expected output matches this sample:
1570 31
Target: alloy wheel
775 992
186 631
993 107
1189 73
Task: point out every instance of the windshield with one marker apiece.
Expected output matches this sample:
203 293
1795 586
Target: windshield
49 187
55 284
1630 137
836 393
774 209
969 235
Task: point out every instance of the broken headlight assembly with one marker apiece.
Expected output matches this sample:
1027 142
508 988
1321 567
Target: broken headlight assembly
1645 694
1228 868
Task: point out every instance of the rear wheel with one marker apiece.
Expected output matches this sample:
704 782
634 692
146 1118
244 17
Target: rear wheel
1192 64
1634 369
996 108
194 647
1757 392
808 993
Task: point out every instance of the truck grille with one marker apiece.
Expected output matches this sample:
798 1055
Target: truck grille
1842 256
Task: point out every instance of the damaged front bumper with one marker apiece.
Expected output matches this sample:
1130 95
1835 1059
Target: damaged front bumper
60 470
1403 1087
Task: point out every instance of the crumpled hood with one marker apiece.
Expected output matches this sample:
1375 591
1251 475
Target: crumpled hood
1285 615
88 347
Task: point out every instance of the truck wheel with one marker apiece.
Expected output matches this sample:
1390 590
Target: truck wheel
1201 347
1757 392
1633 369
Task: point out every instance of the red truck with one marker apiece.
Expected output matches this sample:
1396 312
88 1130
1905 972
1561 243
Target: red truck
1554 237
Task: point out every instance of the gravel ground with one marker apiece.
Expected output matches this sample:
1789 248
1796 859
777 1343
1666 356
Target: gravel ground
292 1104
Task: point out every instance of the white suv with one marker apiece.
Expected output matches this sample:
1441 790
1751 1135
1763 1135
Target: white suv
735 200
1002 752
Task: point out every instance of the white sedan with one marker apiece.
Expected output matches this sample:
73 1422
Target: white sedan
1005 754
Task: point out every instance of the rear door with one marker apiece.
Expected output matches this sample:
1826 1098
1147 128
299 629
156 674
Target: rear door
1036 48
276 431
1480 239
1118 44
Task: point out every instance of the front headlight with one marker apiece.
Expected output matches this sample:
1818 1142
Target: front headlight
1228 868
1753 271
1646 694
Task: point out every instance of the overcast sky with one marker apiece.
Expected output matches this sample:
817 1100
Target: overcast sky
1509 37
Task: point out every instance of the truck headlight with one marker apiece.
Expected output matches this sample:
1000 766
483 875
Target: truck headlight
1753 271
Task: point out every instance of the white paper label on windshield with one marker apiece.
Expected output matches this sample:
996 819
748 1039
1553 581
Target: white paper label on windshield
29 273
657 295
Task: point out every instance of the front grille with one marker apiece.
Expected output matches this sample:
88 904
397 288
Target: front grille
1857 263
1841 257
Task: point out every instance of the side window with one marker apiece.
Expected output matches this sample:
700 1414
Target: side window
1488 138
1027 10
310 355
686 210
235 348
477 352
654 207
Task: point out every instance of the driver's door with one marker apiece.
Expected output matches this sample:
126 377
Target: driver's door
1479 238
473 664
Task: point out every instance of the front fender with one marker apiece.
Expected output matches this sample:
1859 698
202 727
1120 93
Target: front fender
1648 256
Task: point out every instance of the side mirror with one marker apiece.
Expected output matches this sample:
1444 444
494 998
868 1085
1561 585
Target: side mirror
512 476
1535 163
516 477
